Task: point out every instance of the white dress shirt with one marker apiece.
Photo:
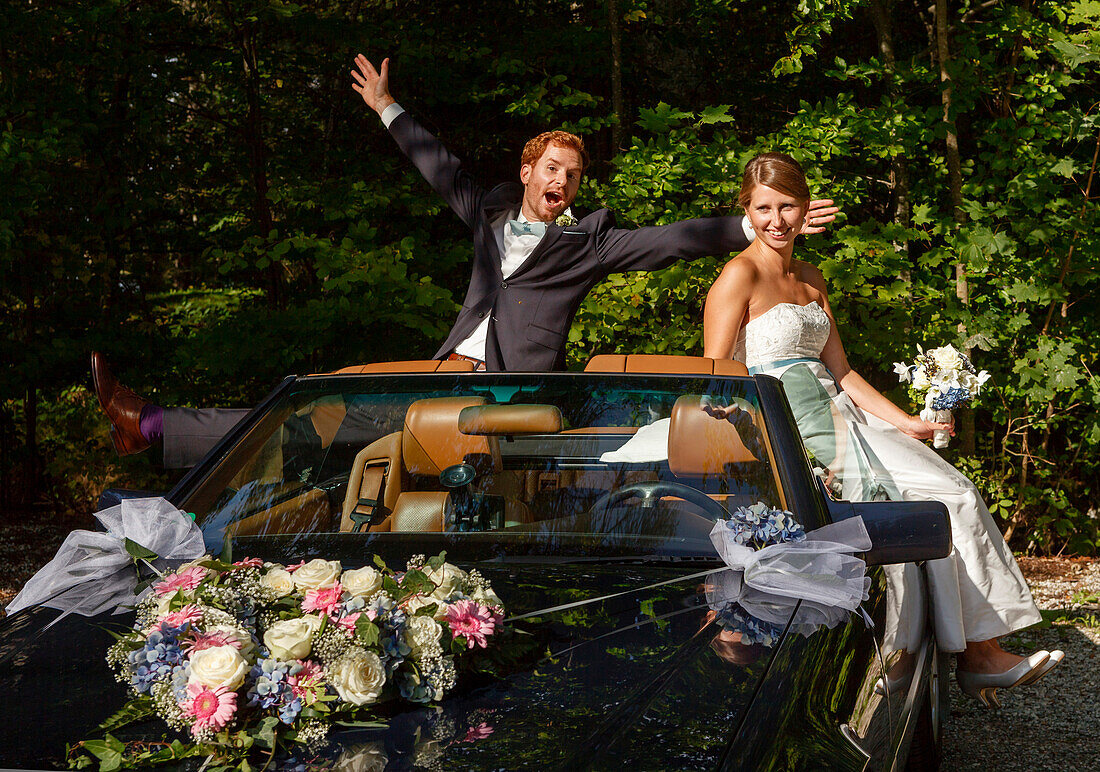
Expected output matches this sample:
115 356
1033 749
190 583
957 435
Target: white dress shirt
514 250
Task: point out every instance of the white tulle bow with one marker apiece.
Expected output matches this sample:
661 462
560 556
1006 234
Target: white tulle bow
820 572
93 572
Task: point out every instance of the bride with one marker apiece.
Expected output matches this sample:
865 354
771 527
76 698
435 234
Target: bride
772 312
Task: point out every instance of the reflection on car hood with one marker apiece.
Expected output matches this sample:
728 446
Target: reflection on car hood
626 681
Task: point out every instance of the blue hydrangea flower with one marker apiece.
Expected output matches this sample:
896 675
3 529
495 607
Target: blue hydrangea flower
155 660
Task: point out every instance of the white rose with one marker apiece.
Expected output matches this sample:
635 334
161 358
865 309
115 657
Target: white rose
362 582
218 666
417 602
362 758
237 634
947 358
487 597
422 634
317 574
920 380
358 677
278 580
290 638
447 578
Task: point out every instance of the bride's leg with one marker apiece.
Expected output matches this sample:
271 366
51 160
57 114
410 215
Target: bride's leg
986 657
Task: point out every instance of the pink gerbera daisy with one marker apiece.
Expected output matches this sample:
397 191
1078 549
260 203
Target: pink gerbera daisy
213 640
249 563
189 613
305 683
211 708
347 623
296 566
471 620
187 579
479 732
325 600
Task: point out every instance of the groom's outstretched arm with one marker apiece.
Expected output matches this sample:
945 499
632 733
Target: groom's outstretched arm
659 246
440 168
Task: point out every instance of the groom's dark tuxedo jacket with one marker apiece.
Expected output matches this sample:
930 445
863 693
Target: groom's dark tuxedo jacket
530 311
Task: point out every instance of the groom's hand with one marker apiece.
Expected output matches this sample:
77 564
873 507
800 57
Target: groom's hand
374 85
821 213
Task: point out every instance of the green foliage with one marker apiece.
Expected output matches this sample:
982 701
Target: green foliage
194 189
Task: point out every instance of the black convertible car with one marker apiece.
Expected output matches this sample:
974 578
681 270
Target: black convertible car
586 499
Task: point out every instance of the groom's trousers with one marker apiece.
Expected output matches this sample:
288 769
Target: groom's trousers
190 433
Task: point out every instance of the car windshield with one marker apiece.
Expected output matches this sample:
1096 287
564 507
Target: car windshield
566 465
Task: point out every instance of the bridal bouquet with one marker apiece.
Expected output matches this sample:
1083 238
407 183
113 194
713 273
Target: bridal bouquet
253 656
943 379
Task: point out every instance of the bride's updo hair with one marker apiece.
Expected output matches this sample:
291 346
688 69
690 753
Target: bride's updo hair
777 171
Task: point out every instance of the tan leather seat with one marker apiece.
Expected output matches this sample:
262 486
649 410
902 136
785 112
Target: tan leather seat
388 470
701 446
663 365
413 366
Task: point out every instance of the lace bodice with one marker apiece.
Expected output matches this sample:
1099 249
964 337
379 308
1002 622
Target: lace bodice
784 331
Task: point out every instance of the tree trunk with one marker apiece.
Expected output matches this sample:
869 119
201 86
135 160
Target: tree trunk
899 172
618 129
257 151
954 184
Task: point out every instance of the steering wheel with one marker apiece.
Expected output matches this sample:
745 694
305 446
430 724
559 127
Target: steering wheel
652 491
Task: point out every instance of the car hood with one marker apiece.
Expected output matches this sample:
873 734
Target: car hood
619 668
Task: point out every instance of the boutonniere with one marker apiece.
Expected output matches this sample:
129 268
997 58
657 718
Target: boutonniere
565 220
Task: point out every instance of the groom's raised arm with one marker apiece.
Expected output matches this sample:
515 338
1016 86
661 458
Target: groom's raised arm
440 168
659 246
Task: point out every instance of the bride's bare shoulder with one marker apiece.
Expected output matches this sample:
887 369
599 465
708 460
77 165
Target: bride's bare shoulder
740 269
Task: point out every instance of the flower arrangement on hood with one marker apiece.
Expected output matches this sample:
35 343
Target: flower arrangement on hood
253 655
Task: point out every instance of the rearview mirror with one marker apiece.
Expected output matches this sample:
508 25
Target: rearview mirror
900 531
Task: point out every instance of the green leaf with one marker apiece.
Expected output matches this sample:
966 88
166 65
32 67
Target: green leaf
264 734
138 552
436 562
366 631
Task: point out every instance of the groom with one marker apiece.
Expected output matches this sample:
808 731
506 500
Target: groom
534 261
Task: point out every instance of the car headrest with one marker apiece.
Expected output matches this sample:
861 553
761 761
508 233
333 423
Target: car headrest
431 441
663 365
701 445
413 366
510 420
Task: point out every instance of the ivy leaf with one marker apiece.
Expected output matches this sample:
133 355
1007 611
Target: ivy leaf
138 552
265 734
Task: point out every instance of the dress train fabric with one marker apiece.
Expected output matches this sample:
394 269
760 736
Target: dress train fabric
977 592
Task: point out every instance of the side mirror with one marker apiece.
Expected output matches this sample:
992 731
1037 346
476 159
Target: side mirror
900 531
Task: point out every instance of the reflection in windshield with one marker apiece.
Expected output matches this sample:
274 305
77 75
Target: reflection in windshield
587 462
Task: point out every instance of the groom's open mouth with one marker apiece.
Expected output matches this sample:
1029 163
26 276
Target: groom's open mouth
554 199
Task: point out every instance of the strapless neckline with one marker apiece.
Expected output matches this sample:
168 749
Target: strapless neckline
784 303
788 331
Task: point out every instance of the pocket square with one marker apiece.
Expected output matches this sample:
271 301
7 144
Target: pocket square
572 235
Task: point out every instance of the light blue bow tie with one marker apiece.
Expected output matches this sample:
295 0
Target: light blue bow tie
520 228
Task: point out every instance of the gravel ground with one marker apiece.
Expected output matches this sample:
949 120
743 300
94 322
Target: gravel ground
1051 725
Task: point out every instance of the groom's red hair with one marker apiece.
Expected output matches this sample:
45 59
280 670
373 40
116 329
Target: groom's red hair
536 146
777 171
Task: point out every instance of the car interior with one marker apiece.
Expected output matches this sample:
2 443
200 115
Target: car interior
478 463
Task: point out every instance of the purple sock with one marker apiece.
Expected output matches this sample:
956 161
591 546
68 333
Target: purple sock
151 423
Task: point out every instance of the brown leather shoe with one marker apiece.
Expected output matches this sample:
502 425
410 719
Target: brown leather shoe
122 406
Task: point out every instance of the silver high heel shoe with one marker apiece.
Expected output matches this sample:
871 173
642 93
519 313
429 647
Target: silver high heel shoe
1056 658
983 686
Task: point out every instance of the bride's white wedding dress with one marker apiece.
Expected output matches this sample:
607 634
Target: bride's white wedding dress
978 592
